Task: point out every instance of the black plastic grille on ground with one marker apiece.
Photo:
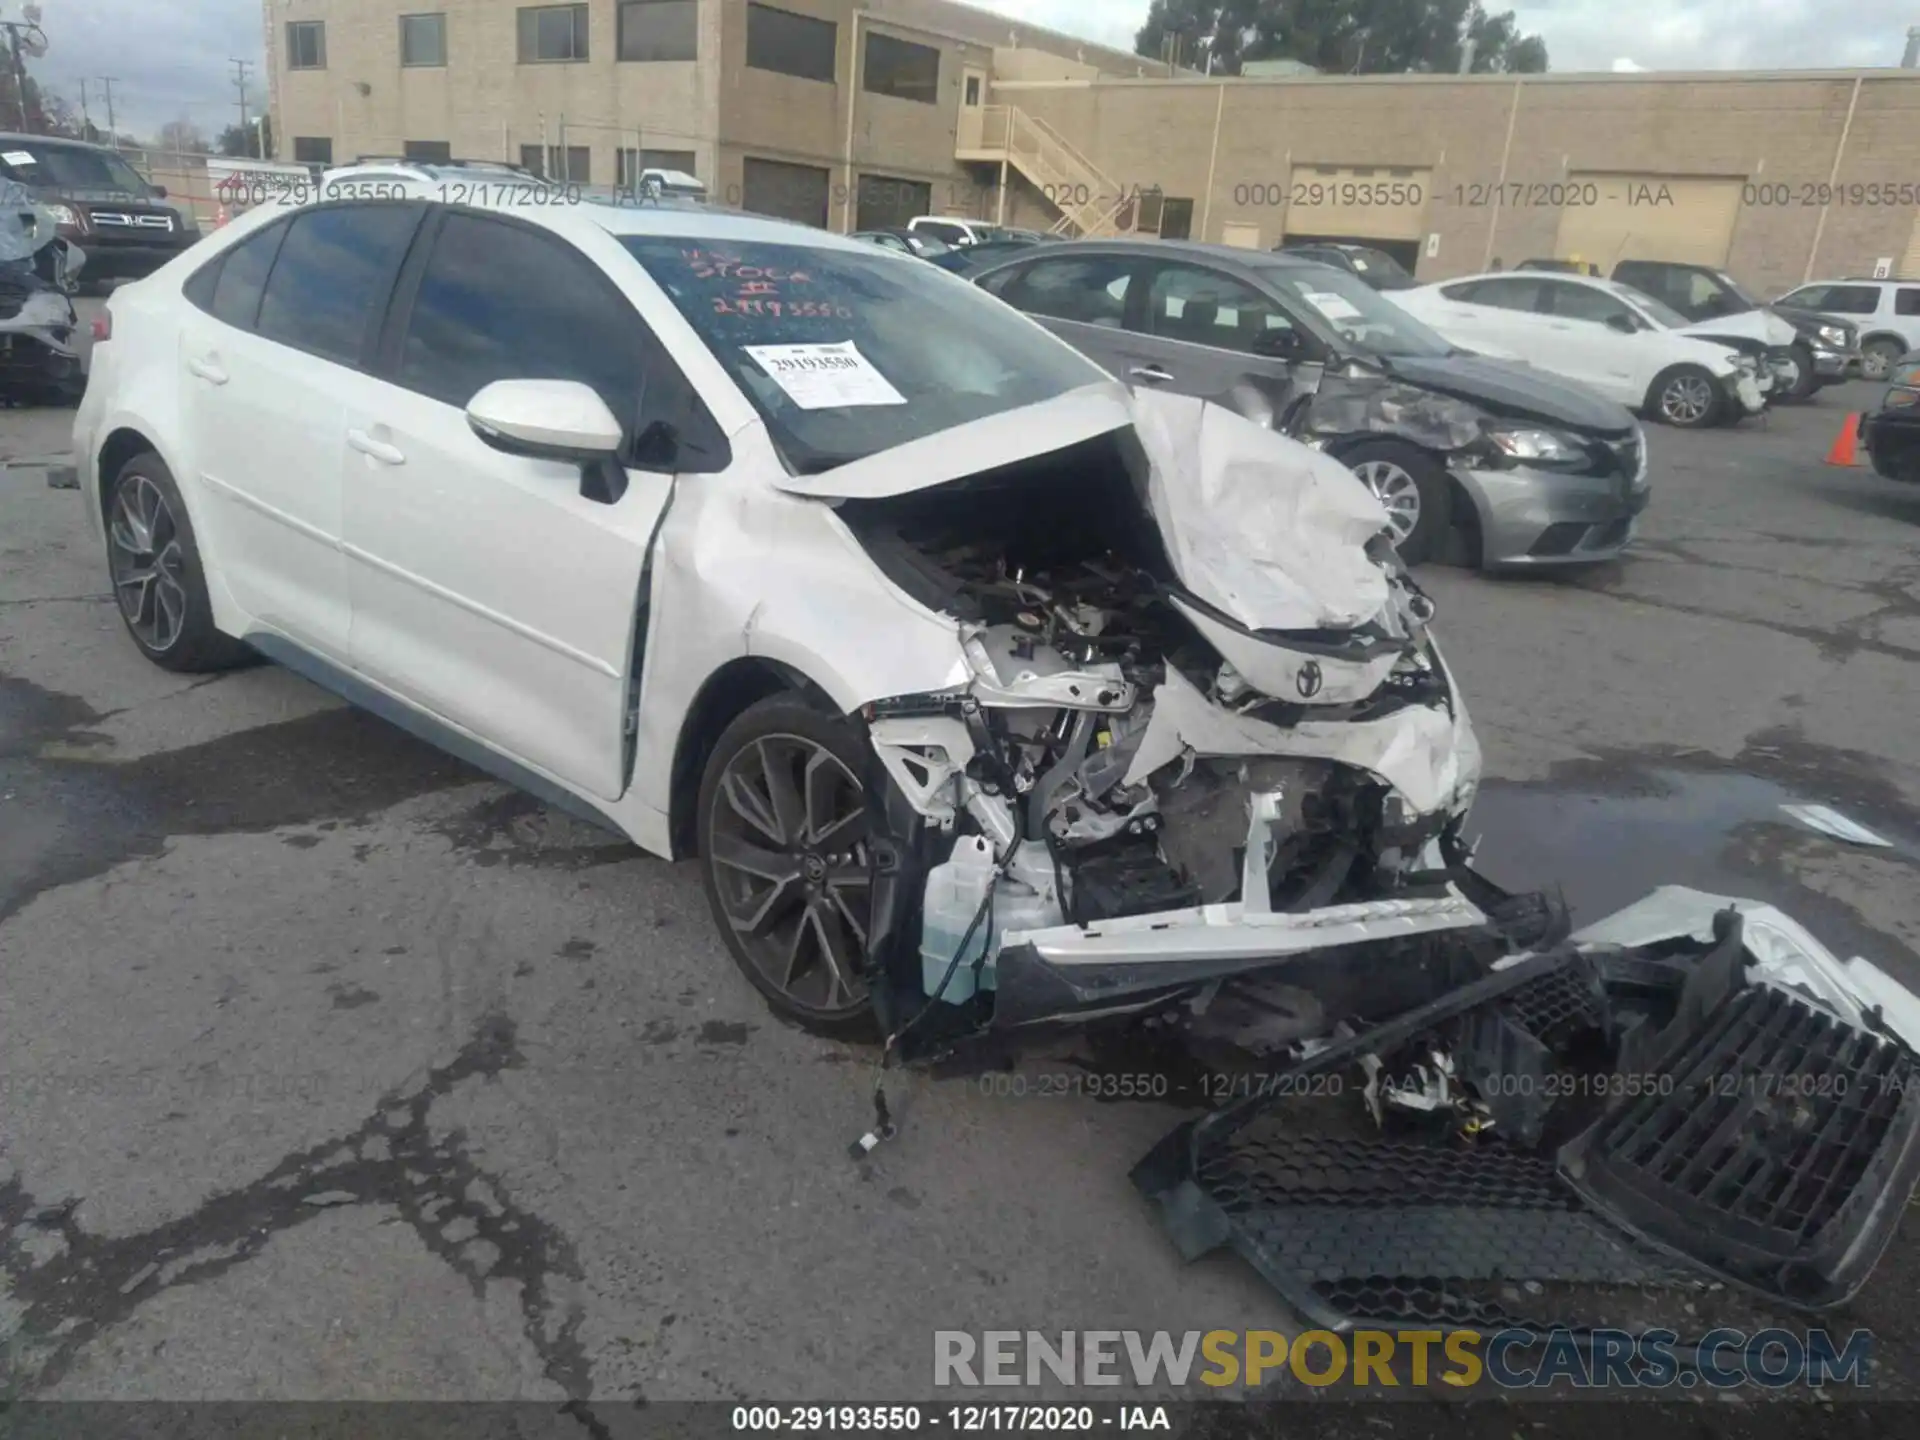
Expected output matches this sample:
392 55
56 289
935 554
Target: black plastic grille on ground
1556 1006
1336 1221
1782 1111
1779 1138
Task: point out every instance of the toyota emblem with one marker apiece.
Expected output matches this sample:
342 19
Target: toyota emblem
1308 681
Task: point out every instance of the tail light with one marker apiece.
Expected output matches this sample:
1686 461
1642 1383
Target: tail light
103 326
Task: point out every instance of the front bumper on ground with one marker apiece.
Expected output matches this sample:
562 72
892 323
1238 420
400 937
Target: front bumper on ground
1744 1149
1743 390
1545 517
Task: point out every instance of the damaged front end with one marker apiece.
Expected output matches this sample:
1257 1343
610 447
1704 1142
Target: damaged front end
1207 734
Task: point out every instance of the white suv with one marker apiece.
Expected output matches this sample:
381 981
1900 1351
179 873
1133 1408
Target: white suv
678 520
1886 312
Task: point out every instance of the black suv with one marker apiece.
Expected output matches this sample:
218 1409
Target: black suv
102 203
1827 352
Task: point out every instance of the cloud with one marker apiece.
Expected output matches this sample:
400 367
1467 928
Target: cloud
1587 34
167 60
173 59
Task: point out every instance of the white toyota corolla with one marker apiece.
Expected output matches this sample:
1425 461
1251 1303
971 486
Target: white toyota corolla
759 543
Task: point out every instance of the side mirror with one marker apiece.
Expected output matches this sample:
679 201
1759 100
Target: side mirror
554 420
1623 323
545 420
1281 343
159 191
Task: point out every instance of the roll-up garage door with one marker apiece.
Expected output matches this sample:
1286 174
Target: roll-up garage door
1610 217
792 192
1358 202
882 201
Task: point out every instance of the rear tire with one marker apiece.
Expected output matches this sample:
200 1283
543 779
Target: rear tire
784 856
1685 397
158 580
1413 487
1877 359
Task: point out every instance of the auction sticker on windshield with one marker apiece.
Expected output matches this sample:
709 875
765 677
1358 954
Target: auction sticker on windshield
825 377
1334 307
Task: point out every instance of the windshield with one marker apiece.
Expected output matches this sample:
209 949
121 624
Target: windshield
1736 287
926 245
68 167
1379 266
1355 311
1662 313
847 353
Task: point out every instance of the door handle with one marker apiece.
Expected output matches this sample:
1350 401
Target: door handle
208 369
379 449
1152 374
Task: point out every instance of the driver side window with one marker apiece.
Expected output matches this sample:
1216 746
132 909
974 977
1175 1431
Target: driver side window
1204 307
1582 302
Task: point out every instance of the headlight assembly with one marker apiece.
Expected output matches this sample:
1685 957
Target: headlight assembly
1538 447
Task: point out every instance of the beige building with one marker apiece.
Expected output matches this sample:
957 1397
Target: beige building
851 115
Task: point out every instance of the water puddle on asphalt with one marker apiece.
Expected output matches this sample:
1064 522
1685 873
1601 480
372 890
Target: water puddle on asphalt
1604 845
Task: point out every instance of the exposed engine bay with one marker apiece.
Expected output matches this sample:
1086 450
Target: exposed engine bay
1129 751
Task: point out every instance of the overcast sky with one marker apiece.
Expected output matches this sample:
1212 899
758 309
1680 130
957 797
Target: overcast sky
171 57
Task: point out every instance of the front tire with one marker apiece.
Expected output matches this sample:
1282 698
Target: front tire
1806 379
159 583
1413 487
783 835
1685 397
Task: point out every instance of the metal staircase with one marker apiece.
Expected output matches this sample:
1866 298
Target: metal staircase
1091 204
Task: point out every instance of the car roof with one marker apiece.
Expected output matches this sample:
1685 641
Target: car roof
1193 249
530 199
15 137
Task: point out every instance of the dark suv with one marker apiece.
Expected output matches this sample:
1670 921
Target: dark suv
1827 352
102 203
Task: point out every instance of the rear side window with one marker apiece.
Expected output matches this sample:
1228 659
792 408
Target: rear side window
1514 294
331 281
243 277
499 302
1906 302
1839 299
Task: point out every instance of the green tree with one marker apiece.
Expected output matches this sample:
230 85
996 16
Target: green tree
1363 37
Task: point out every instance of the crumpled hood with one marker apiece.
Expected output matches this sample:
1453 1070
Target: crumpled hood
1261 528
1768 329
1258 526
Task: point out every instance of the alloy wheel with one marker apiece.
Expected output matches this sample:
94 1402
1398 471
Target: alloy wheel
1789 382
1687 399
1397 491
148 565
787 841
1876 362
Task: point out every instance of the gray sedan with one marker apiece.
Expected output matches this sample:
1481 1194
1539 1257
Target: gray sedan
1525 469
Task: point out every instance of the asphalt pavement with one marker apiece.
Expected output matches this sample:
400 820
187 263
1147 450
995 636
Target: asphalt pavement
331 1069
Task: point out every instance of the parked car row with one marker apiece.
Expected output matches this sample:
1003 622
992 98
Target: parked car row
1528 469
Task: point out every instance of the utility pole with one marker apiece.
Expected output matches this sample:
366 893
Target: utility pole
240 68
86 121
113 135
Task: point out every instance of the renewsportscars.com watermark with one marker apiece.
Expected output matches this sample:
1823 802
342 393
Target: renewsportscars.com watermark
1507 1359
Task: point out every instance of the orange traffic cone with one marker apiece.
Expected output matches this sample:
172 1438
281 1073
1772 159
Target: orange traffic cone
220 217
1846 444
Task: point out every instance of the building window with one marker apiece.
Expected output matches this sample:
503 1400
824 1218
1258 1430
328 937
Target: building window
630 164
660 30
560 162
793 192
313 150
791 44
553 33
973 90
430 151
423 40
901 69
306 44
